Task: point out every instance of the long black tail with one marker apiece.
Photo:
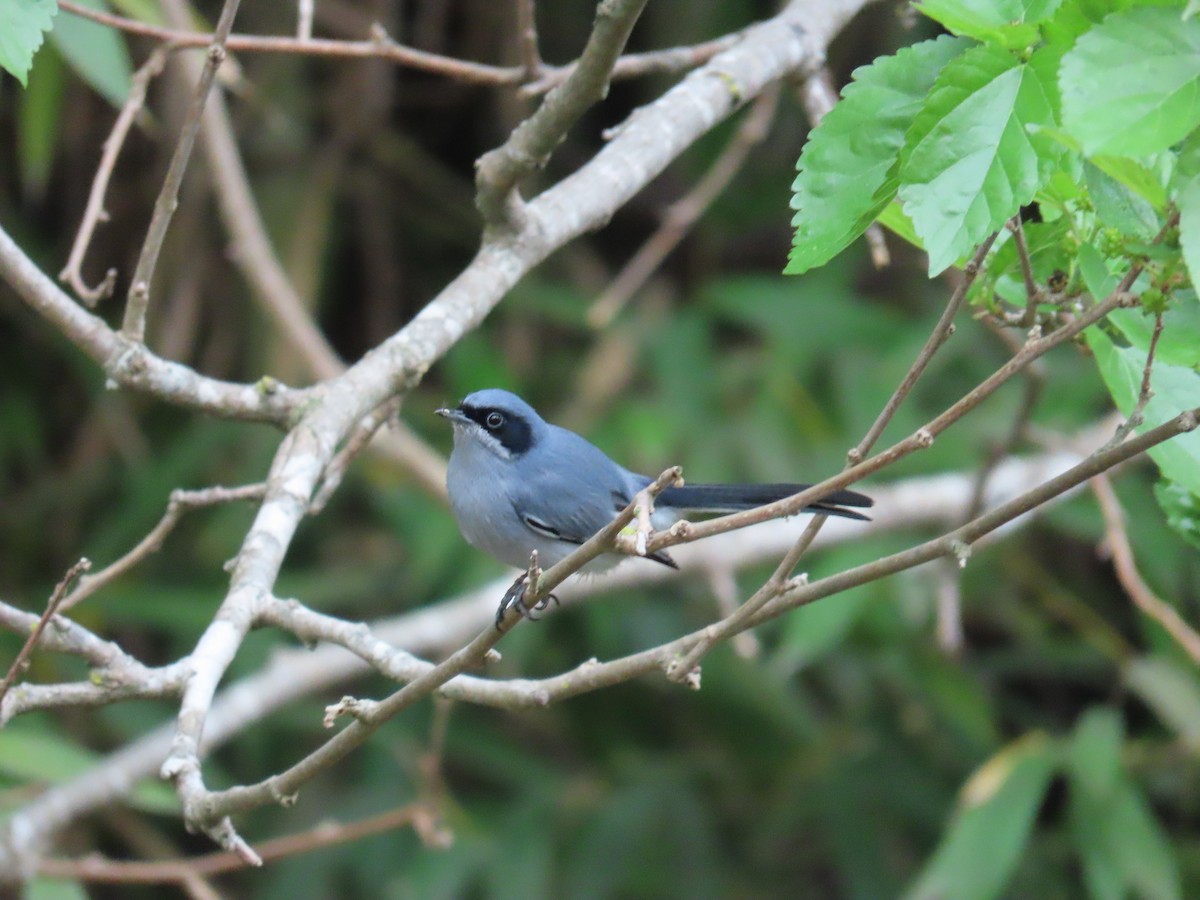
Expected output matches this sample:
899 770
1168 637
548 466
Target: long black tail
718 499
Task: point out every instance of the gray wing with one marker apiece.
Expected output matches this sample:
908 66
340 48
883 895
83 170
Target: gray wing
570 489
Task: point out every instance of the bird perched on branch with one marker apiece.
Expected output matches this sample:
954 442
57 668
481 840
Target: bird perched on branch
518 484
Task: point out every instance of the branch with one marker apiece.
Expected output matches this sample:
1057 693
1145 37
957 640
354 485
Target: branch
138 299
19 664
1117 540
531 143
1032 293
438 628
1137 415
130 364
180 502
94 211
97 869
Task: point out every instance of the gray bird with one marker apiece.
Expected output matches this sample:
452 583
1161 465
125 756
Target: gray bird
518 484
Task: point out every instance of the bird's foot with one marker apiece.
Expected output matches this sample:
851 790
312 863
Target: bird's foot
514 597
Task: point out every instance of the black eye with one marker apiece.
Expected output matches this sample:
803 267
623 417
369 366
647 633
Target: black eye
494 420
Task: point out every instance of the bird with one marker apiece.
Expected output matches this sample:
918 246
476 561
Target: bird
518 483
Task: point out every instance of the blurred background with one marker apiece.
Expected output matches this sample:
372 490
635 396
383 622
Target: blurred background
830 764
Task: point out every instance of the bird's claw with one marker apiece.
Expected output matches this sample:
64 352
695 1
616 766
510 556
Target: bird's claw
514 597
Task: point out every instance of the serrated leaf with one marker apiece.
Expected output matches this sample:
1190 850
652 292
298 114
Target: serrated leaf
1175 389
1182 509
98 54
22 24
1131 85
971 159
844 169
981 847
1012 23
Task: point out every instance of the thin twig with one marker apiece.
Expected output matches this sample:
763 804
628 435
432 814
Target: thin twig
498 171
1137 415
681 215
94 211
138 299
671 60
1116 539
1033 293
180 502
359 438
97 869
1034 348
778 582
60 590
937 337
527 39
304 19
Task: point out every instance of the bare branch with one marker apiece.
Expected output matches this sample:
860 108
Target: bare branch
527 38
1137 415
60 590
99 870
379 46
1116 539
180 502
138 299
94 211
941 332
1033 293
130 364
672 61
529 146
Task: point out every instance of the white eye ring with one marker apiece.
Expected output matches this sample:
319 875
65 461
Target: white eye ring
494 420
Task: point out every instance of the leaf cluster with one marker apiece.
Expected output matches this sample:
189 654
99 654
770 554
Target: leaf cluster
1081 118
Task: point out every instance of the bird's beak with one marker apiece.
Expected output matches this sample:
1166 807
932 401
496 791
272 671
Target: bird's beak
453 415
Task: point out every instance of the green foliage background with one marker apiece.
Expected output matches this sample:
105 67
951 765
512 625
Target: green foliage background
852 758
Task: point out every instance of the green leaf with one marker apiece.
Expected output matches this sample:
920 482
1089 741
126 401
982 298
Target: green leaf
1136 176
845 171
39 120
997 810
1131 85
1119 207
1185 188
1122 847
1182 509
1012 23
1176 388
1179 343
1171 690
892 217
97 53
22 23
971 159
1094 754
1097 277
